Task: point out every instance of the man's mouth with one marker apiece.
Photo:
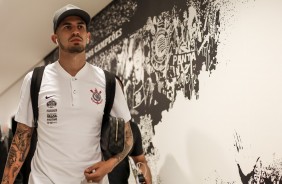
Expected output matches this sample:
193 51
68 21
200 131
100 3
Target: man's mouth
76 39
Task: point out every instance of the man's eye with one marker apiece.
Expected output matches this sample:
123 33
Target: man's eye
80 26
67 27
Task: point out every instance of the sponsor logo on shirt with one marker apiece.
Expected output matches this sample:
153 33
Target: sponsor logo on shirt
52 117
96 96
51 104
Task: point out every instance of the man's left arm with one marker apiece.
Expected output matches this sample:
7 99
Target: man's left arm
97 171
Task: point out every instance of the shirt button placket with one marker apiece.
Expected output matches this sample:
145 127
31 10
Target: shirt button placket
74 91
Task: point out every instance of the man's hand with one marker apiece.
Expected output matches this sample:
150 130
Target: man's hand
96 172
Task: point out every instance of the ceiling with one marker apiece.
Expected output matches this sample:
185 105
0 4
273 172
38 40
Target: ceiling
26 29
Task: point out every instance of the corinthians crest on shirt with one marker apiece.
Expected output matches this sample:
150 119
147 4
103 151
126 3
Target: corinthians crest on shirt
96 96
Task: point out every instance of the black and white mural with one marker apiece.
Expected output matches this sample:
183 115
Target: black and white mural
201 81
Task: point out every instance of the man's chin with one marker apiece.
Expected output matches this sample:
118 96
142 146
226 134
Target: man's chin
77 49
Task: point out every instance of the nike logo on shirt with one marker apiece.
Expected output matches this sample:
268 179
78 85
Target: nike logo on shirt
47 97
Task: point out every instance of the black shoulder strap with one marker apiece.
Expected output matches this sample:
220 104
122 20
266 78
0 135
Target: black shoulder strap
34 90
110 92
110 95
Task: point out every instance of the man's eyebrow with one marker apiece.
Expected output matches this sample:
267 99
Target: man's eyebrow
66 23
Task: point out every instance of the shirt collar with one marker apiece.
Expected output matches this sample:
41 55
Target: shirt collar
82 72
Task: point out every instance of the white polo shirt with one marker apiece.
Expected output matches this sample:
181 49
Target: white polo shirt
69 123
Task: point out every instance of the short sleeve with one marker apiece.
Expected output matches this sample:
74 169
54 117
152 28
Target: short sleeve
120 108
24 112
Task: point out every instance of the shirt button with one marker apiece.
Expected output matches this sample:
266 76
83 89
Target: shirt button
74 91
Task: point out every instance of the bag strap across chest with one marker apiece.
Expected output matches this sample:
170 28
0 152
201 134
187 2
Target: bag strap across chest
110 92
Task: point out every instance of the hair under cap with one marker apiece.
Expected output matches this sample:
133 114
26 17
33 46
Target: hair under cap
69 10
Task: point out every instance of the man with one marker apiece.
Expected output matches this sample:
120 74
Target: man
70 114
120 174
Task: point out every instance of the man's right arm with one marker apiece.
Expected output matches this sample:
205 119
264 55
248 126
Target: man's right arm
17 153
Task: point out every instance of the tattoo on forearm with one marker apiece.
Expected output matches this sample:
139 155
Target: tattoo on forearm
12 156
22 141
5 179
128 143
14 171
17 153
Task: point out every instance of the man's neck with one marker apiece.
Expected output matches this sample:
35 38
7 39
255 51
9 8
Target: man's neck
72 63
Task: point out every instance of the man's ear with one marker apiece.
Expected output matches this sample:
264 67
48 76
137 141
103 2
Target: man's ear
88 37
54 39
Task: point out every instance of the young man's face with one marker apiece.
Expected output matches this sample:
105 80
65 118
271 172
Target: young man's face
72 35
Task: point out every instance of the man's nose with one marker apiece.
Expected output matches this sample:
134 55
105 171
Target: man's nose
75 31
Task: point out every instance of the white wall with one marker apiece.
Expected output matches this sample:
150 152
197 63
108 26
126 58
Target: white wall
9 103
240 102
